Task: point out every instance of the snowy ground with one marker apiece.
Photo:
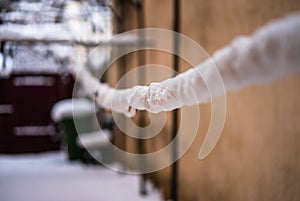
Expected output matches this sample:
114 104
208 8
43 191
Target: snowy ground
50 177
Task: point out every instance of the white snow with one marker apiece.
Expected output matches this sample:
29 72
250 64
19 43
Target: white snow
269 54
66 108
49 176
57 32
95 139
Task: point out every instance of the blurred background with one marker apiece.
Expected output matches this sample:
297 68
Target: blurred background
41 156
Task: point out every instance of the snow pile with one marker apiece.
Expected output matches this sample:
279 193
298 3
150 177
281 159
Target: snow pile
69 107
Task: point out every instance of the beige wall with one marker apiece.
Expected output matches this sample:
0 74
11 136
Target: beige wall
257 157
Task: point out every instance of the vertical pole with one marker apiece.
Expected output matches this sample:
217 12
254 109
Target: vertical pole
142 78
176 28
122 139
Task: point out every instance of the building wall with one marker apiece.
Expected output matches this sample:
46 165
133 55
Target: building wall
257 157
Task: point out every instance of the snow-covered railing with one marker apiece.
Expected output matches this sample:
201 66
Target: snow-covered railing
60 33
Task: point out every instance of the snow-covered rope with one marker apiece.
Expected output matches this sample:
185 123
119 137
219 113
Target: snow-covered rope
269 54
106 97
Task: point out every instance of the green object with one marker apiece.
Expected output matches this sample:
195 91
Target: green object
71 112
74 152
83 125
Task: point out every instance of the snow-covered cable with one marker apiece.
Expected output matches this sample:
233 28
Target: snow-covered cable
106 97
271 53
